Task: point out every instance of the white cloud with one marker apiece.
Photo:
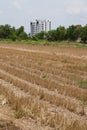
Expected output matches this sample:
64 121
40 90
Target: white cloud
76 7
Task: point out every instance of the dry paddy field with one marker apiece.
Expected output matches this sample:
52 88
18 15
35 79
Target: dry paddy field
43 87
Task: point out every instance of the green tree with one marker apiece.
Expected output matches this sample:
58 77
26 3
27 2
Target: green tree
71 33
5 31
52 35
61 33
21 34
41 35
77 32
20 30
13 35
84 34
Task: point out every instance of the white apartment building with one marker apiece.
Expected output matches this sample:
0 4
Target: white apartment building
39 25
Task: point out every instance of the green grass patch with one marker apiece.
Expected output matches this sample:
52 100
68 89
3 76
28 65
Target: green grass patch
83 84
45 42
19 114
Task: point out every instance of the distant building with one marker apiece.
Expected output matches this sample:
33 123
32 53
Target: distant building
78 26
39 25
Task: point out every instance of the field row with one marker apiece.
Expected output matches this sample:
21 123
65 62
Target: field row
44 82
75 73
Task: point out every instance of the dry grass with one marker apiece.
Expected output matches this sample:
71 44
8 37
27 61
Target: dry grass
47 85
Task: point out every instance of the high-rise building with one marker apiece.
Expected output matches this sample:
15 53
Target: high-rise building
39 25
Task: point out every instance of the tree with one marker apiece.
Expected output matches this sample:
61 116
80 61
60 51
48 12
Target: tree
20 30
61 33
84 34
21 34
13 35
71 33
77 32
41 35
8 32
5 31
52 35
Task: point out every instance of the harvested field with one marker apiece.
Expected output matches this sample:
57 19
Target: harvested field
43 87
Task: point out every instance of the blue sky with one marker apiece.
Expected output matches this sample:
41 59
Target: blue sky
60 12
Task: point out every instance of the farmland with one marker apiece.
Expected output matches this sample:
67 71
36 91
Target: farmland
43 87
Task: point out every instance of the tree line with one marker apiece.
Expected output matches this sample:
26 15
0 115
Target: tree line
8 32
72 33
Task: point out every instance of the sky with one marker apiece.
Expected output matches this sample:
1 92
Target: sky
60 12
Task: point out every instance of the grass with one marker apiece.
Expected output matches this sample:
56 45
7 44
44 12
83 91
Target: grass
44 76
19 114
45 42
65 60
83 84
46 84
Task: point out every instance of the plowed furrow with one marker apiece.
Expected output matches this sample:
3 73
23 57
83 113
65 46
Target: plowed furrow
43 93
63 77
61 80
51 85
54 117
